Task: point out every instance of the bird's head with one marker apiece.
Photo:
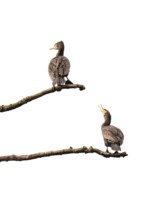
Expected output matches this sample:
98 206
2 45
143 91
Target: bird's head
58 46
103 110
106 115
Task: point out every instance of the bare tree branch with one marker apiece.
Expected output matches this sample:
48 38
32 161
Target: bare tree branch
70 150
4 108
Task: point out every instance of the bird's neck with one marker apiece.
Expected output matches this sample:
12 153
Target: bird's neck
60 52
107 120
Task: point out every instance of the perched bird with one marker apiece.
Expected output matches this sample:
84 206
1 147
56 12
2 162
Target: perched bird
113 136
59 66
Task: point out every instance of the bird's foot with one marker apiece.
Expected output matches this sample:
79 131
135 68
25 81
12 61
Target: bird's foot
116 152
107 151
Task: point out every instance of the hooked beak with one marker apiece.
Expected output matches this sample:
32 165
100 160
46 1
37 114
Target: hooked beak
54 47
101 108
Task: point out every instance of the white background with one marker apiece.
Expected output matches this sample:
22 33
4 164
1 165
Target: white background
106 44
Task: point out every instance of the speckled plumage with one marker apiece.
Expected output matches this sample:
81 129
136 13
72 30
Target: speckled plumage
113 136
59 66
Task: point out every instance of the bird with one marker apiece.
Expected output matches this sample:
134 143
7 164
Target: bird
113 136
59 66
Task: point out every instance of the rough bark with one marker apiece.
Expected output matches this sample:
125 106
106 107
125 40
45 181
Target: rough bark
70 150
4 108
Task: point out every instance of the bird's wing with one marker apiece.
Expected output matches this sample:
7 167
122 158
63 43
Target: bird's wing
113 134
59 65
52 69
63 66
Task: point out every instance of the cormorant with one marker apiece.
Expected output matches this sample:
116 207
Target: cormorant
113 136
59 66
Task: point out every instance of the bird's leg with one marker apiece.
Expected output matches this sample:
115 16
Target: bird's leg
107 150
116 152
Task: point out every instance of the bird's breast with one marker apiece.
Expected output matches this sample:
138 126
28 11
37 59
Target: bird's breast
60 65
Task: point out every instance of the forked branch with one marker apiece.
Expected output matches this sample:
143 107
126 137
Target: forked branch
70 150
4 108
